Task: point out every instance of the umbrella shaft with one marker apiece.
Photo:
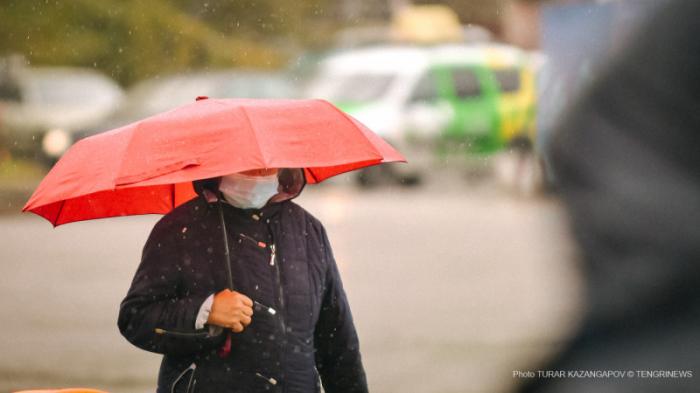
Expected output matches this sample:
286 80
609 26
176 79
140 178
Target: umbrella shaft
227 255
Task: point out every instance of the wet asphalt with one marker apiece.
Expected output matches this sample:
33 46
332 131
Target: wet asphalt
453 286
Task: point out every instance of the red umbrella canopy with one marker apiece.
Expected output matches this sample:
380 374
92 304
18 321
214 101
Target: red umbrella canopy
148 166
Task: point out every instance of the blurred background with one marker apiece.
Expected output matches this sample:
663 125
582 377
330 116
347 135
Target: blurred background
459 265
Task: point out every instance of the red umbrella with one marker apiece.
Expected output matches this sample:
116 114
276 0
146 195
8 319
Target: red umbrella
148 166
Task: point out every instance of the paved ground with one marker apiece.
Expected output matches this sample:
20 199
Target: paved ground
452 289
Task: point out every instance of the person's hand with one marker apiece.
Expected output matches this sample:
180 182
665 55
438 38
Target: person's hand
232 310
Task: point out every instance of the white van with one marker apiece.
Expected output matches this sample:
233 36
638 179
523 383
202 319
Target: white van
431 102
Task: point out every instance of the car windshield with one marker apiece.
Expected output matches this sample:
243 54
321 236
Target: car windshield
359 88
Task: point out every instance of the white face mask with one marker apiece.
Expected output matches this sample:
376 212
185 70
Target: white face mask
248 192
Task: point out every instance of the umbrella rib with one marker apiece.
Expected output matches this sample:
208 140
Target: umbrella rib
313 175
126 149
58 214
255 133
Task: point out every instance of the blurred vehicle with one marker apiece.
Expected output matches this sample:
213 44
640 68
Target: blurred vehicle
433 102
160 94
38 106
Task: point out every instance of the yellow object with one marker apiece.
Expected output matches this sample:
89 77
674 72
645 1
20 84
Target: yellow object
426 24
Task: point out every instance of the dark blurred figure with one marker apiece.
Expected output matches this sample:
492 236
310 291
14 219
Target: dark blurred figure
627 158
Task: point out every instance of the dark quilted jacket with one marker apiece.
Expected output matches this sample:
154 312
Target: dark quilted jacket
310 334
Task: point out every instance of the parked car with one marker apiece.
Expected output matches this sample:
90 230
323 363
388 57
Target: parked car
160 94
432 102
38 105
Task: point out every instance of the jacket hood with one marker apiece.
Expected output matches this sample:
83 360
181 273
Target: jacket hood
291 183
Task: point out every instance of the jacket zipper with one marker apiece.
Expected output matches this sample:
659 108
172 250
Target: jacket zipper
280 294
278 277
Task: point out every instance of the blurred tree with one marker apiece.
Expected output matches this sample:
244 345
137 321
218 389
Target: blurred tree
300 22
132 39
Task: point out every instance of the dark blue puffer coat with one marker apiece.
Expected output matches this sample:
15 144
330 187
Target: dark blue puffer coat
310 335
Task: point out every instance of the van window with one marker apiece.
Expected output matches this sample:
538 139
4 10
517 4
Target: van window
466 83
426 89
508 79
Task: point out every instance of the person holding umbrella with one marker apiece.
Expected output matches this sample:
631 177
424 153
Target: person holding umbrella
237 286
288 313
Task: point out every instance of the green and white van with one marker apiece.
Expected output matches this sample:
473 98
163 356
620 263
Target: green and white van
434 103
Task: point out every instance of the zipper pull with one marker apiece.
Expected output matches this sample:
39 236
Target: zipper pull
272 255
270 310
259 244
271 381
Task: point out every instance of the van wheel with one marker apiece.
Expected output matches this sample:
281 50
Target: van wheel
368 177
410 180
